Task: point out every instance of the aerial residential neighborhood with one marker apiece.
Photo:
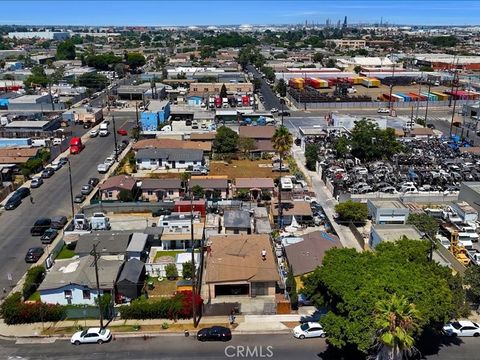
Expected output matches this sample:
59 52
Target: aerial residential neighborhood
240 180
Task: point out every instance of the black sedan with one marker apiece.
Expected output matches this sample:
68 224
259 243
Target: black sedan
93 181
47 172
58 222
13 202
23 192
214 333
40 226
34 254
49 236
79 198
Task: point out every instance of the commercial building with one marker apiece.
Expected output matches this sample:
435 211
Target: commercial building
353 44
392 232
387 211
34 102
157 113
45 35
470 193
205 89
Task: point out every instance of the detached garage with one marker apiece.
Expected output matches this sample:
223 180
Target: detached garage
131 280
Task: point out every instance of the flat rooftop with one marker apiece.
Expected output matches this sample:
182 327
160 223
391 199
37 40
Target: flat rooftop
396 232
388 204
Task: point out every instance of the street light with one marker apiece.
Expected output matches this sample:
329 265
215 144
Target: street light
71 186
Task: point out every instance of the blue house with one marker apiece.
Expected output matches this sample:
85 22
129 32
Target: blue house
157 113
194 100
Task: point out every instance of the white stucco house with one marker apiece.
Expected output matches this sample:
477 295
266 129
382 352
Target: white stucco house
165 159
72 282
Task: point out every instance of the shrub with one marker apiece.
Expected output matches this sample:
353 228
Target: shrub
165 326
32 280
187 270
171 271
266 195
14 311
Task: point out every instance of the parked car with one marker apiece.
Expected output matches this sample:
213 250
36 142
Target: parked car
40 226
79 198
309 330
36 182
284 113
13 202
56 165
110 160
303 301
47 172
93 181
34 254
94 133
87 125
122 132
91 336
383 111
23 192
214 333
200 170
86 189
63 161
462 328
58 222
49 236
102 168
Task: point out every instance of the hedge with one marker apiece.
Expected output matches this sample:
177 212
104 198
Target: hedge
32 280
14 311
176 307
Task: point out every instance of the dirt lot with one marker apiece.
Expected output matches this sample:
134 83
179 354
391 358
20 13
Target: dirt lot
244 168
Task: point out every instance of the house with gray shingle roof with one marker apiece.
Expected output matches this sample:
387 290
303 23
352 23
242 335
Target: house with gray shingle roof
164 159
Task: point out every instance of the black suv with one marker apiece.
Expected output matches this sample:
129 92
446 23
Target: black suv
23 192
40 226
13 202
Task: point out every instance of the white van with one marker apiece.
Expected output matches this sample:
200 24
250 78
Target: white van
103 129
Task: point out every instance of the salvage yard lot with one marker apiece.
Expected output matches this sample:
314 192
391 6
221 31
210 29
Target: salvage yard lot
244 168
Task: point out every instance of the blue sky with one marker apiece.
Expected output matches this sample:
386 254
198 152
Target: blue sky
199 12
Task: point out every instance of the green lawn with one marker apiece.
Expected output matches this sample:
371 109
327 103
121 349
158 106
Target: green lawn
65 253
171 253
35 296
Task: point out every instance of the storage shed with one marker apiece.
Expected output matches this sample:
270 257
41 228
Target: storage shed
131 280
136 247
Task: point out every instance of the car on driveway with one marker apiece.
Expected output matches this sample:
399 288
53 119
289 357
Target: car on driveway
40 226
86 189
462 328
94 133
36 182
34 254
91 336
122 132
309 330
79 198
13 202
47 172
214 333
23 192
58 222
49 236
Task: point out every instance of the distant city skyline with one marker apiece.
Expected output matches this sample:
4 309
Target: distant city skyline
209 12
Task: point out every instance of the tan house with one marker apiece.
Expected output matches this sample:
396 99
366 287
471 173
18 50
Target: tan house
202 89
254 186
262 136
110 189
154 190
17 155
214 188
235 266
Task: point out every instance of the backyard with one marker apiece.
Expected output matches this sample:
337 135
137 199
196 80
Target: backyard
243 168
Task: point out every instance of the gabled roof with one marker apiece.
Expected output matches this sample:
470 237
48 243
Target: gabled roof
236 219
132 271
210 183
108 242
171 144
253 183
170 154
161 184
119 182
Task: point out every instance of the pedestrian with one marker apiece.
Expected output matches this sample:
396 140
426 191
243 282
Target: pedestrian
231 317
31 199
264 254
4 290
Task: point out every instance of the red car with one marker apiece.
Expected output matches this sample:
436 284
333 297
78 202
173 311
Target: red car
122 132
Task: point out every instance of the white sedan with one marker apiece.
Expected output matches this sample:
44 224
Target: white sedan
462 328
91 336
309 330
94 133
383 111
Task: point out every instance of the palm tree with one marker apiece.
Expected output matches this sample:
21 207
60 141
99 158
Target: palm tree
282 142
185 176
396 320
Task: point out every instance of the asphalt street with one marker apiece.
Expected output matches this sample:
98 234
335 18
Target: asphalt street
52 198
178 347
270 100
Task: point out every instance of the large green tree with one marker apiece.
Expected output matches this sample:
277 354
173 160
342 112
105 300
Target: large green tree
281 88
350 283
425 223
352 211
38 77
93 81
226 141
135 60
65 50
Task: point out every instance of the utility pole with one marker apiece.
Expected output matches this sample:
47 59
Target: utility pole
71 187
192 239
455 82
95 263
115 138
137 123
428 97
390 103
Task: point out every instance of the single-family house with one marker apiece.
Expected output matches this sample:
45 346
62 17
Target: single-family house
111 188
254 186
214 188
107 242
262 136
304 256
154 190
240 265
301 210
164 159
237 222
166 143
73 282
177 230
131 280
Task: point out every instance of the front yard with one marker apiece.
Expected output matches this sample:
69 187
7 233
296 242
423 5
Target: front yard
162 288
244 168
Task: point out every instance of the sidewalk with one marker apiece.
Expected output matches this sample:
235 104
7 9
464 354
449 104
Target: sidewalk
244 324
326 201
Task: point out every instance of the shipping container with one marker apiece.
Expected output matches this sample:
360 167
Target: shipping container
370 82
441 96
400 98
15 142
405 97
358 80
